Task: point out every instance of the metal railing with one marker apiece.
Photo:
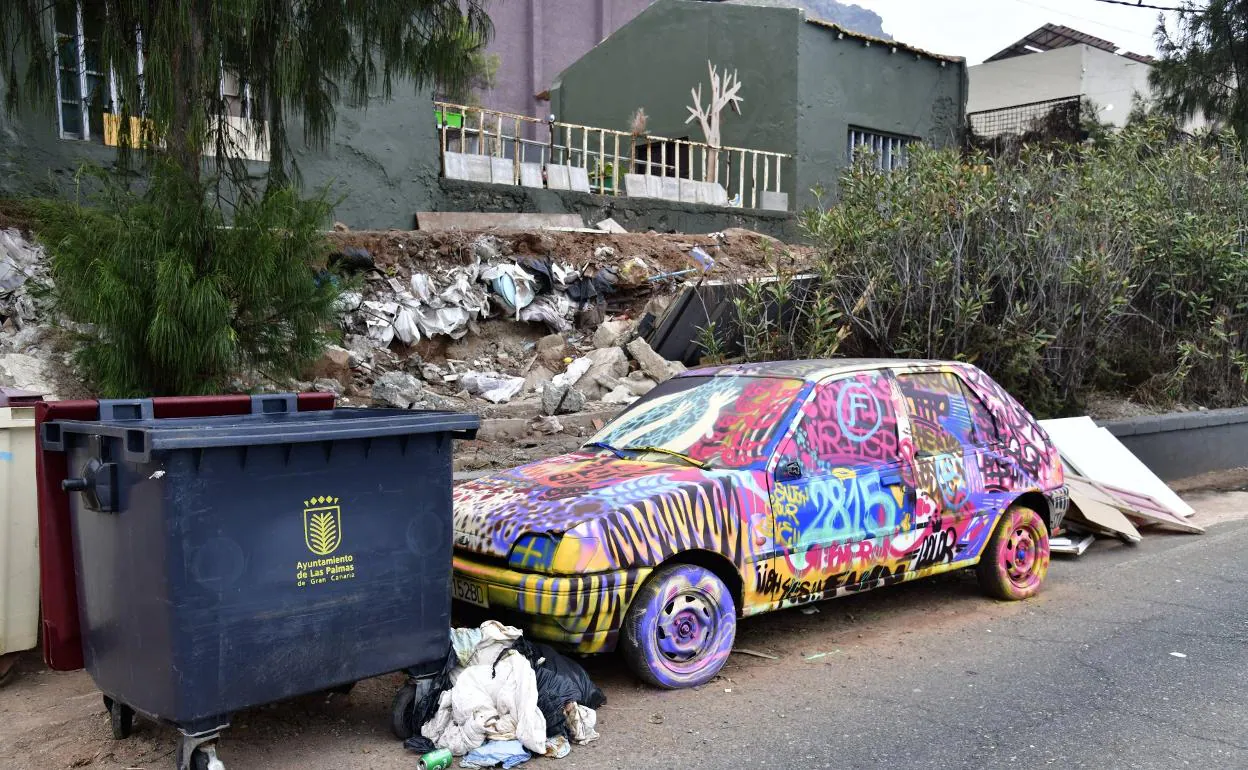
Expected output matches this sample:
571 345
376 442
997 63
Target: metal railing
606 154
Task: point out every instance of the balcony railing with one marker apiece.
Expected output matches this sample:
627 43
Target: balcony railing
505 148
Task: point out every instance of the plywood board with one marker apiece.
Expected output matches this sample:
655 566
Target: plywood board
1144 509
1095 453
1087 508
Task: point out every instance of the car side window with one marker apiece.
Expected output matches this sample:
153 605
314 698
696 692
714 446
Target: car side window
941 420
849 422
981 417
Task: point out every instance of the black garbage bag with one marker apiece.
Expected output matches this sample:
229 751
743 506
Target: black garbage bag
425 707
560 681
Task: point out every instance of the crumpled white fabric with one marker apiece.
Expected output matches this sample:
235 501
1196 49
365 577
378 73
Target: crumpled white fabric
492 699
581 723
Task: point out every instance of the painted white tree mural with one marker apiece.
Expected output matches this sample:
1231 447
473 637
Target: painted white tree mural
725 92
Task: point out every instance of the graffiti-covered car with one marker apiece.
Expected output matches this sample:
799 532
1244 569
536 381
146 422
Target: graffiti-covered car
733 491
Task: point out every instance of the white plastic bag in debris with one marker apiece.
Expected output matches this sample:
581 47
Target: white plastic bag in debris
513 285
573 374
380 319
18 258
554 310
582 723
493 699
492 386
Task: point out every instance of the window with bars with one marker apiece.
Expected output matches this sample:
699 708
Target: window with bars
888 151
87 97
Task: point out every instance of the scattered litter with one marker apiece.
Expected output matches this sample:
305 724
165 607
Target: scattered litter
820 655
656 719
575 371
754 653
1070 545
1091 510
1178 655
552 310
705 261
810 610
515 287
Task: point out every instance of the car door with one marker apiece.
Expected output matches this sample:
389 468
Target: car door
838 488
942 442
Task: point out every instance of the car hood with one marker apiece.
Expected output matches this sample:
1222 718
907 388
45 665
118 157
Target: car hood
595 498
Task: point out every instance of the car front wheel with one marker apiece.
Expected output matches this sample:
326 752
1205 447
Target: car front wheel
680 627
1016 559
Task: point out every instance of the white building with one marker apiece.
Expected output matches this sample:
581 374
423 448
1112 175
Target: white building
1056 64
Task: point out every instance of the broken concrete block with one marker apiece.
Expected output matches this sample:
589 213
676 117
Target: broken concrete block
328 385
609 225
609 363
676 367
25 372
334 364
611 334
650 362
620 395
561 399
639 386
398 389
551 350
538 376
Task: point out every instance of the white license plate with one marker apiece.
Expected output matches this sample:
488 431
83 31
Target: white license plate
470 591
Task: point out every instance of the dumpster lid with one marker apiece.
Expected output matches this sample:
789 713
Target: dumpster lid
146 435
15 397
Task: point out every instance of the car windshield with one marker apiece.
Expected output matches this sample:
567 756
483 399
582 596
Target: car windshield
719 422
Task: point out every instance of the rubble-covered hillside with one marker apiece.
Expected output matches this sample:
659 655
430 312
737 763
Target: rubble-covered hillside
538 331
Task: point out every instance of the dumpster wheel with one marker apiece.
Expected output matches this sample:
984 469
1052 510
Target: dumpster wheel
404 701
121 718
203 755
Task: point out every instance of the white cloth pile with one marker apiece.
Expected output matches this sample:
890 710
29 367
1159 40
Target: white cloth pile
493 697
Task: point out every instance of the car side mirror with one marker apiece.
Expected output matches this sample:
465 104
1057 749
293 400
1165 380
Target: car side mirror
789 470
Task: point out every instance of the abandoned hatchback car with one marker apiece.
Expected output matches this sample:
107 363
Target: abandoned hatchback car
738 490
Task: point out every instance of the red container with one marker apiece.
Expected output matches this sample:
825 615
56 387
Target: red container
62 633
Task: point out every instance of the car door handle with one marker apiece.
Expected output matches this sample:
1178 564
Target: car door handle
923 454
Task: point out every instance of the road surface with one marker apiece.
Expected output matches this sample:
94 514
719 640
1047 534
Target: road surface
1133 656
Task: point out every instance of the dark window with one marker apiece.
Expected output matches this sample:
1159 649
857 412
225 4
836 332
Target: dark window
981 416
940 418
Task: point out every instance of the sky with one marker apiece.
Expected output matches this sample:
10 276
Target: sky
976 29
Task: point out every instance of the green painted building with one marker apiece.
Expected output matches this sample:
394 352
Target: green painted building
811 89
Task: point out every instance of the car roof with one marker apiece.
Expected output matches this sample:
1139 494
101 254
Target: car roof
813 370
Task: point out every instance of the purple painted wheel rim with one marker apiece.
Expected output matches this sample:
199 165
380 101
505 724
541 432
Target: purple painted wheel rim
687 627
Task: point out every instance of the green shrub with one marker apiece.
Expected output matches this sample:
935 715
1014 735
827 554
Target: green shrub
1118 265
174 301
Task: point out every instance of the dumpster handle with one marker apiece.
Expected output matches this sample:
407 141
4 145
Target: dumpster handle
279 403
126 409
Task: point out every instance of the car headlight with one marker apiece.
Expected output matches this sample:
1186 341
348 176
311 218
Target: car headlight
533 553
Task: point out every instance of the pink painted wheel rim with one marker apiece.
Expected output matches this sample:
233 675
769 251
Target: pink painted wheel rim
1021 556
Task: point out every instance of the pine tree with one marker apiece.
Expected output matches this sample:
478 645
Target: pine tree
1204 65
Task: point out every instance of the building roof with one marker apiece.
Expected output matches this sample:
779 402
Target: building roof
881 41
1053 36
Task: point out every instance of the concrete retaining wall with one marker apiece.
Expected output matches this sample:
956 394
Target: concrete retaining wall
1185 444
636 214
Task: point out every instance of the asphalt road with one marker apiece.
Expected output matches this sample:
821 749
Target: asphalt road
925 675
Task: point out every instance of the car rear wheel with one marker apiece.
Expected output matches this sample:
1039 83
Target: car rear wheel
680 627
1017 556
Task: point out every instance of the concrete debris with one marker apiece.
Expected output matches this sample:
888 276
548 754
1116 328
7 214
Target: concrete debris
559 398
612 334
639 386
607 365
492 386
538 376
547 425
22 269
604 253
609 225
328 385
653 364
572 375
620 395
26 373
334 364
398 390
552 349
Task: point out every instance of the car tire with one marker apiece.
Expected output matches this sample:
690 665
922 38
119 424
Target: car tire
680 628
1016 558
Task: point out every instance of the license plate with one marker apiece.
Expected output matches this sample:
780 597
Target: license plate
470 591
